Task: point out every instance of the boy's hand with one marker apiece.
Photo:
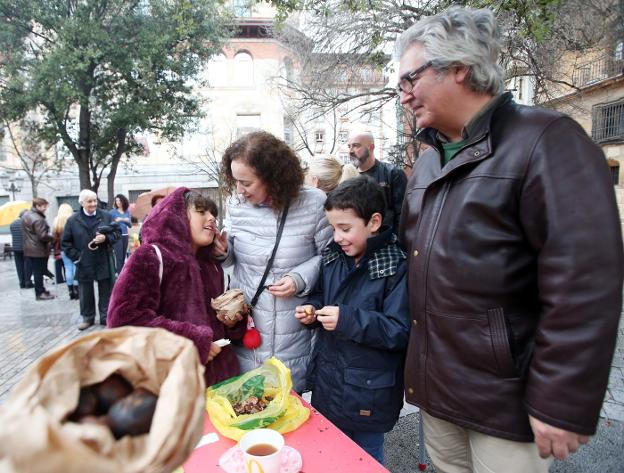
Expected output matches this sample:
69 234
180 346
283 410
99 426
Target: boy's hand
328 316
285 287
214 351
305 314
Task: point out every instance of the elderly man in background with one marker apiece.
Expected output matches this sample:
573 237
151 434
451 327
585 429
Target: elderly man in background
515 259
88 241
37 240
389 177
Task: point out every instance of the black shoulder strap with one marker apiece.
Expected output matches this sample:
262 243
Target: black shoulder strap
270 263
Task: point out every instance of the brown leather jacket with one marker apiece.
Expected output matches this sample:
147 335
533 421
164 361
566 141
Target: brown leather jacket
37 236
515 275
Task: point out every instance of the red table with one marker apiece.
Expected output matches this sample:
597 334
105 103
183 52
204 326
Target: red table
323 447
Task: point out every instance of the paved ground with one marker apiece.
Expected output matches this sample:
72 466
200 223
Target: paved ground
30 328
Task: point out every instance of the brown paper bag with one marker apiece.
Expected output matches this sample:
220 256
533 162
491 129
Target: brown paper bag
34 437
229 303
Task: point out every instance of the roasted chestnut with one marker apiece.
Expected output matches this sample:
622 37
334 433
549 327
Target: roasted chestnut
111 390
87 404
133 414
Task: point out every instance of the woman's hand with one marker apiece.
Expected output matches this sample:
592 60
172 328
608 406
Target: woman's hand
285 287
220 244
230 322
328 316
305 314
214 351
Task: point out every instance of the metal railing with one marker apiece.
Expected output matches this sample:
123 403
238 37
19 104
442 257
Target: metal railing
608 122
597 70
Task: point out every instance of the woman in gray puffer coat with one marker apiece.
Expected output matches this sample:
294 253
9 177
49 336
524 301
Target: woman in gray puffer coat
267 177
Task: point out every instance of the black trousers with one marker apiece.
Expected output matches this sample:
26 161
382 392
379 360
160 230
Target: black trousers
87 299
39 267
120 247
23 268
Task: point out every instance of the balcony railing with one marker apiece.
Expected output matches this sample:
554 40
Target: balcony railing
597 70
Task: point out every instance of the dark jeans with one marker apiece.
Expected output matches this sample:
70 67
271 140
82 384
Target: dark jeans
23 268
87 299
39 267
59 270
120 247
371 442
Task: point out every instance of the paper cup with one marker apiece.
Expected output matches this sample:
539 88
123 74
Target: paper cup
262 449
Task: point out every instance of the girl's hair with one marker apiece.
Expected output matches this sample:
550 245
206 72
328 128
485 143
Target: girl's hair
124 202
200 202
330 172
64 212
276 165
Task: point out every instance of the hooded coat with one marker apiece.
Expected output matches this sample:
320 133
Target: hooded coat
180 302
252 231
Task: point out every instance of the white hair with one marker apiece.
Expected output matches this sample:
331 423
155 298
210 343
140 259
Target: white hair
86 194
460 36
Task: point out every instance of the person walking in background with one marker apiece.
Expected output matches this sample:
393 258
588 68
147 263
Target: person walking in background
360 303
88 241
389 177
170 280
37 240
22 264
58 227
121 215
267 177
326 172
515 259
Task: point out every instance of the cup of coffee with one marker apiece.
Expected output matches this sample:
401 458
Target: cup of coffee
262 449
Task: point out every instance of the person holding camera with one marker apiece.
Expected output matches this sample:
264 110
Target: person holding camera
88 241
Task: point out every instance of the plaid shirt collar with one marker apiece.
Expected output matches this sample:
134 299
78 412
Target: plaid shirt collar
382 261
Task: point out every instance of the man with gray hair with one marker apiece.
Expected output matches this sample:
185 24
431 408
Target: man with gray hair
389 177
88 241
515 306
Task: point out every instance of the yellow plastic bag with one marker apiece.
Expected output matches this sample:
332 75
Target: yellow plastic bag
284 412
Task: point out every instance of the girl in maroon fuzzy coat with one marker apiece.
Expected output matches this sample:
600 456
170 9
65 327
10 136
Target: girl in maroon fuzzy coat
182 227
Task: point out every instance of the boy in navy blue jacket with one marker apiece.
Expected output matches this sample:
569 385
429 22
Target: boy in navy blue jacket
356 372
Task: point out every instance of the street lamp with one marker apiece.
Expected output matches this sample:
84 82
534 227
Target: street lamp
12 182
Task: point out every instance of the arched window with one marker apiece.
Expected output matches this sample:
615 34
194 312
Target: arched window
217 71
619 50
243 70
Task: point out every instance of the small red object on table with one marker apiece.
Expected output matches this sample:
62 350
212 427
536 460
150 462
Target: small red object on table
323 448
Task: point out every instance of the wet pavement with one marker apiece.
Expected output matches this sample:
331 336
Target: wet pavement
31 328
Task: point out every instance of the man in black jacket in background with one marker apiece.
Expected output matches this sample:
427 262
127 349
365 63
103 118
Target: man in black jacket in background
389 177
22 264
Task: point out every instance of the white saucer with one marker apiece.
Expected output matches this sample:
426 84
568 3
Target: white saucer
233 461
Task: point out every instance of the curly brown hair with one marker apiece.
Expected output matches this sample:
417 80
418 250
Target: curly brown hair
275 164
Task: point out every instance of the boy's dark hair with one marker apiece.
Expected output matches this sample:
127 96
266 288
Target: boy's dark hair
200 202
360 194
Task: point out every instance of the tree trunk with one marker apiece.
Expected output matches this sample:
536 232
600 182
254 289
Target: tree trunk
121 148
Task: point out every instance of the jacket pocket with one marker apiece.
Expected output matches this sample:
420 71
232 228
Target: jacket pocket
500 343
368 393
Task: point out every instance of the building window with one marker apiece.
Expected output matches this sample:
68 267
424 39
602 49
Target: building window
319 136
72 200
288 131
608 122
243 70
343 136
242 8
217 71
344 158
246 123
520 88
618 53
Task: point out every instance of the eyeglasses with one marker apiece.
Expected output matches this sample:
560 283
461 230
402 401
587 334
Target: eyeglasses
406 84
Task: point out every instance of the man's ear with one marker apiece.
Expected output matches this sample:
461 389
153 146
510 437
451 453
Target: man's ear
375 222
461 74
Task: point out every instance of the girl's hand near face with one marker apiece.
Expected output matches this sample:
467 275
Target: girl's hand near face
328 317
220 244
285 287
